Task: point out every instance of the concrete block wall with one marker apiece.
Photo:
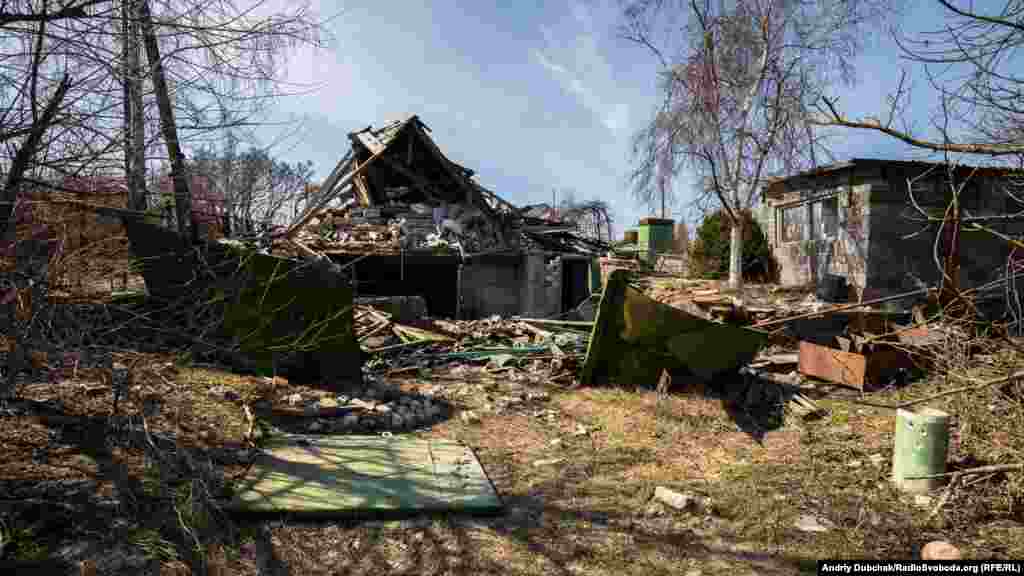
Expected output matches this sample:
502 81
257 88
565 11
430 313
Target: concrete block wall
491 284
851 248
534 294
553 285
528 284
903 250
845 255
900 249
882 244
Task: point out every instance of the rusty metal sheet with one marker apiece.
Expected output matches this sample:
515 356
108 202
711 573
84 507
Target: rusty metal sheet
846 368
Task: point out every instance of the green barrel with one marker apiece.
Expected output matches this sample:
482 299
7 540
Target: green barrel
920 447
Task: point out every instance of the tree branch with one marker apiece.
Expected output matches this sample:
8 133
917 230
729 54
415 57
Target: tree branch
989 19
28 149
77 11
979 149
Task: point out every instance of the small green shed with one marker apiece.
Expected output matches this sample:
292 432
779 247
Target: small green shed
654 237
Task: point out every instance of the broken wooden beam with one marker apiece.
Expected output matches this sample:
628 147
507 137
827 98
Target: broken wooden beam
340 185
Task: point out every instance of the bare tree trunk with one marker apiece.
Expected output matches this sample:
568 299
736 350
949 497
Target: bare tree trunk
736 255
23 157
182 195
8 197
228 167
126 101
135 149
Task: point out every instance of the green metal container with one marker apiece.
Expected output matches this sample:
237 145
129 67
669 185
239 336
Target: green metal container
920 447
654 236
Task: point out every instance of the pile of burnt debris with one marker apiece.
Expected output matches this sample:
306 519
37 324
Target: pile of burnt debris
399 340
396 191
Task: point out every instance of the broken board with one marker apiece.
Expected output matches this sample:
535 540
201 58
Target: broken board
859 371
365 476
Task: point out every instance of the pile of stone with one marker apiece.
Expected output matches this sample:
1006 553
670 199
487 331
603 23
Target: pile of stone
370 413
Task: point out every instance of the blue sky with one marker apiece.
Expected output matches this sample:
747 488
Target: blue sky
532 95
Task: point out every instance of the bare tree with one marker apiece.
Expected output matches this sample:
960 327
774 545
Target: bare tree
255 190
592 218
77 97
974 64
738 86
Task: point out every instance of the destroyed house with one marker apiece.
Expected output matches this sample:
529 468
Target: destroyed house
868 221
411 222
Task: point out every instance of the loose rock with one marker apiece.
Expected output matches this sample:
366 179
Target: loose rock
548 462
940 550
683 501
808 523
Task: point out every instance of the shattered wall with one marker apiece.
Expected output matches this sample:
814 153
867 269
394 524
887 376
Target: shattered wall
881 244
822 229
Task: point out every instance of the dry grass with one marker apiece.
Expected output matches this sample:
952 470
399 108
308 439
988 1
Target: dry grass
62 461
577 474
590 514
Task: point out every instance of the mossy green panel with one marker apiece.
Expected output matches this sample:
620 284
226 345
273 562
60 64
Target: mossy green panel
635 337
287 307
366 475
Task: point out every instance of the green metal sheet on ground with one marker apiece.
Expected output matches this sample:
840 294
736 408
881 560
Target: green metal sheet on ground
365 475
635 337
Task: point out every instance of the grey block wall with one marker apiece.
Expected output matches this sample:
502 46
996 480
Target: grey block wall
491 284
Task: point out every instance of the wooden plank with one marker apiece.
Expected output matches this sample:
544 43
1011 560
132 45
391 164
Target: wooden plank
345 180
362 191
832 365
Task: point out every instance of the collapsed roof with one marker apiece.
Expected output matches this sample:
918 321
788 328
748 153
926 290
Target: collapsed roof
396 189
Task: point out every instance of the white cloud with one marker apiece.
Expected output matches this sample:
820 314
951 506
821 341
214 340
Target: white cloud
573 57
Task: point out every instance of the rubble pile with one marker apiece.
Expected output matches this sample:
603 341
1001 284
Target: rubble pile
379 408
396 191
500 344
709 298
